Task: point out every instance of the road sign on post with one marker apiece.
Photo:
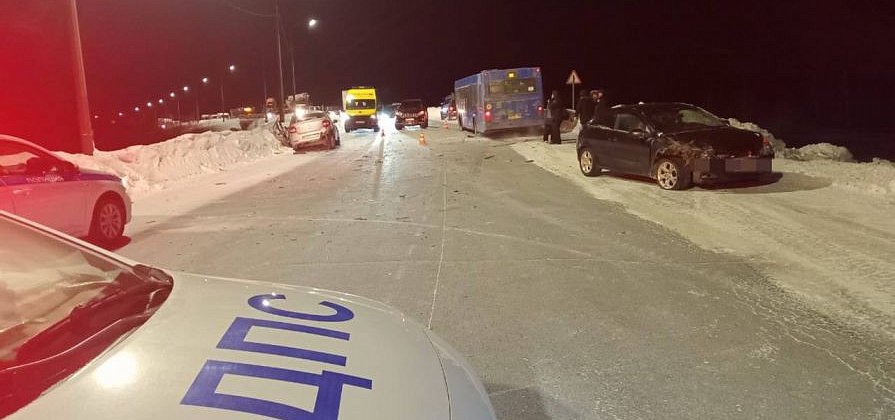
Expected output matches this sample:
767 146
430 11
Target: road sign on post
573 80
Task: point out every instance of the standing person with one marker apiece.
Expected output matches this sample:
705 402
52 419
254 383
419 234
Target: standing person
586 105
557 115
600 107
548 120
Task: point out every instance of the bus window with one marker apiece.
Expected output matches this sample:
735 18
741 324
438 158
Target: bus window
513 87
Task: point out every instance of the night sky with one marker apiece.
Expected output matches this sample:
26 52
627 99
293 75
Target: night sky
821 64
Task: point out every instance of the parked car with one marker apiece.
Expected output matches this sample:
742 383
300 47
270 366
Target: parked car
411 112
312 127
448 108
676 144
37 184
96 336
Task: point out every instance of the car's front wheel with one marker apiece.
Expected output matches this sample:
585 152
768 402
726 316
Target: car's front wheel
671 174
108 221
587 162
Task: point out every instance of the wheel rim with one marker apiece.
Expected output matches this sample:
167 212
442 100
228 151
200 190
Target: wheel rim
667 175
110 219
587 161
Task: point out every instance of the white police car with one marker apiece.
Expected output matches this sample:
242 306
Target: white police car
38 185
86 334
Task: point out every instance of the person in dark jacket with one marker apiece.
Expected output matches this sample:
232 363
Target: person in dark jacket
585 107
600 110
557 115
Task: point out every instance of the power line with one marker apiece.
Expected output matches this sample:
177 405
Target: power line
228 3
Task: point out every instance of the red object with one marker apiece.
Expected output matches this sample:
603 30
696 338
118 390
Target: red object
487 116
422 113
764 141
292 129
326 123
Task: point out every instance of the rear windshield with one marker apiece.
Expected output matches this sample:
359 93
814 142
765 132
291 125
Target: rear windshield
412 105
513 87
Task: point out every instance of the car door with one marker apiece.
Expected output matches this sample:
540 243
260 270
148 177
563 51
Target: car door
630 143
597 135
40 190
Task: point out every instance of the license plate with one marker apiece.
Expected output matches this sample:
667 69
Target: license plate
410 121
747 165
360 121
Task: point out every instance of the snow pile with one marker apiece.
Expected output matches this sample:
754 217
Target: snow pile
820 151
152 167
778 144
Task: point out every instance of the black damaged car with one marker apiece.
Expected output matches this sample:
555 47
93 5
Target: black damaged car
676 144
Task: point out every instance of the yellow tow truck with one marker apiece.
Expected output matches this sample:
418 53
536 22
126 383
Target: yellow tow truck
360 107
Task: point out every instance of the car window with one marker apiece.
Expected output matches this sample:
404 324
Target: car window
629 122
14 159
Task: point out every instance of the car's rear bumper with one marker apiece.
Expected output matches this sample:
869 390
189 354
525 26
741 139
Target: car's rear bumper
731 167
412 121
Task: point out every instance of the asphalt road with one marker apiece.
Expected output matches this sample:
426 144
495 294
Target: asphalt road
567 306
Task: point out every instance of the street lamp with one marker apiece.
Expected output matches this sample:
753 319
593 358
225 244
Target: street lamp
172 94
136 109
232 69
186 88
312 23
161 101
148 104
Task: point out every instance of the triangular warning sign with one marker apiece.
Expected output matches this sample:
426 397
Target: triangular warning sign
573 79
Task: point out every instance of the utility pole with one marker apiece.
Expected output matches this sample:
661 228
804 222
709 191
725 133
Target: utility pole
280 60
85 128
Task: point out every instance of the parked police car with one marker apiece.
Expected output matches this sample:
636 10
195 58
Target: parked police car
38 185
87 334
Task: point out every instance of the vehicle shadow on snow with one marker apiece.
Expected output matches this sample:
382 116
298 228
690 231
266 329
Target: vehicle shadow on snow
114 246
777 182
511 402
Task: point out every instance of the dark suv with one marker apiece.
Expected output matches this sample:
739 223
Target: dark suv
411 112
448 108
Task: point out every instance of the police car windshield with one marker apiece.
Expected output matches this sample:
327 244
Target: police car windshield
56 297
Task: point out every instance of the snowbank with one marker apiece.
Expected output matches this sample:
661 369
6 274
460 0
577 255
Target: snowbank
152 167
820 151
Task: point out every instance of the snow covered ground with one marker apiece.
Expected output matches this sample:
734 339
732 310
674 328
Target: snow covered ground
825 231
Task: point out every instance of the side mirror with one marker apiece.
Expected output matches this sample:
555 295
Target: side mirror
67 169
640 134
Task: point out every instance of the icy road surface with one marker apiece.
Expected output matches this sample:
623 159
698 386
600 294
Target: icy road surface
567 304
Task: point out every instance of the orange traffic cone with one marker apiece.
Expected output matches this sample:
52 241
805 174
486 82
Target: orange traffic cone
422 139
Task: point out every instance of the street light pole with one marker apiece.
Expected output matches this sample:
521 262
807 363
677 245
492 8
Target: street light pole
85 128
280 60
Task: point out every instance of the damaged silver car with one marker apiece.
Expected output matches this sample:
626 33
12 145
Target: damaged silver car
673 143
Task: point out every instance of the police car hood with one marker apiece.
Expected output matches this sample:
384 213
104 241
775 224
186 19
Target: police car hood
230 349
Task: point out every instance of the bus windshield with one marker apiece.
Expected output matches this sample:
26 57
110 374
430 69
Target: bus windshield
513 87
362 104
